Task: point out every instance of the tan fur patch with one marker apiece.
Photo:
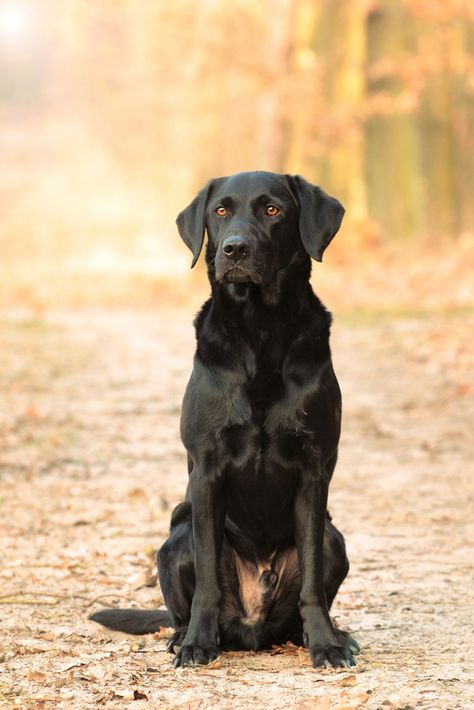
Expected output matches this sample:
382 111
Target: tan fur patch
250 589
256 598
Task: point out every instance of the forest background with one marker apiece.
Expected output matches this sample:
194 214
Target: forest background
113 114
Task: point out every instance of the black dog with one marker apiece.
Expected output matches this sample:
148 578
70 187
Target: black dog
253 558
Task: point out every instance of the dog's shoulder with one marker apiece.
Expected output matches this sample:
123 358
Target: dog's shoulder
201 315
322 317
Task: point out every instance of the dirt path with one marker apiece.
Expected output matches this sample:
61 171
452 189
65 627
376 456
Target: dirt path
92 463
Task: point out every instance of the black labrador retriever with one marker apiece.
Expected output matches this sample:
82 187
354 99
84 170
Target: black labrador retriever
253 558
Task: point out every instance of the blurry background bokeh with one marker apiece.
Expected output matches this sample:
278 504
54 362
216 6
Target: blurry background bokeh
113 113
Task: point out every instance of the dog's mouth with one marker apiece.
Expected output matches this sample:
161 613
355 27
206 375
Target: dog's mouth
238 274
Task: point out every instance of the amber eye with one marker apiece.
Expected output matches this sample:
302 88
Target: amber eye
272 211
220 211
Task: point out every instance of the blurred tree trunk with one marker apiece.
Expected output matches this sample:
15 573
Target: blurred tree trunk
447 134
345 40
393 162
329 41
271 126
464 130
439 148
304 70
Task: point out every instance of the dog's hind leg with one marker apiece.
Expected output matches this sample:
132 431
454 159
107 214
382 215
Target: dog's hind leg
176 572
336 564
336 567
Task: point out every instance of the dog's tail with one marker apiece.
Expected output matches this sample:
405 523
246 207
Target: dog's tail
134 621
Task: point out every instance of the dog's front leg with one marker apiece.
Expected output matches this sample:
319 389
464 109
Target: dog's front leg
200 645
310 517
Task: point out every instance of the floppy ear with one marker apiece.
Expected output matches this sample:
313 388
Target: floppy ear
192 222
320 216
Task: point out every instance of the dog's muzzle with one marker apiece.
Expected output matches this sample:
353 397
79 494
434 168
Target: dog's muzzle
235 262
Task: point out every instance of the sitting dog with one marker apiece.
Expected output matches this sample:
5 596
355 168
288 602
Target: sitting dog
253 558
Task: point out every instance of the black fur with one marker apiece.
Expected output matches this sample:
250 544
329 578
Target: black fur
133 621
253 558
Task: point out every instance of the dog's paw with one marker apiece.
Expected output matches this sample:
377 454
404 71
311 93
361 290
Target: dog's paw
348 642
194 655
335 656
176 641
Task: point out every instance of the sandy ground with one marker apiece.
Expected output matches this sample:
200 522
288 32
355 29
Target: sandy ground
91 464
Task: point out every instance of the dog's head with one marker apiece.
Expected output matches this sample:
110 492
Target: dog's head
256 222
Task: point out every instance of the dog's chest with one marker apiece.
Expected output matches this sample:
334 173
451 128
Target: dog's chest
263 372
263 391
250 405
264 456
272 430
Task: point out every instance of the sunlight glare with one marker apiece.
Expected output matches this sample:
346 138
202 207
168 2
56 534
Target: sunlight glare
15 21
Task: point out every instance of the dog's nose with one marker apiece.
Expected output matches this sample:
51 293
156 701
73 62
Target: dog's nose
235 247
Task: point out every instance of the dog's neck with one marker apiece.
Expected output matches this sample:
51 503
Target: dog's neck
263 318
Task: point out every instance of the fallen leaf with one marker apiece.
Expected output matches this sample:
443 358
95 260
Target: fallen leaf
69 665
352 702
130 694
348 681
151 551
323 703
139 695
37 676
45 637
163 633
288 648
137 494
124 694
31 412
214 665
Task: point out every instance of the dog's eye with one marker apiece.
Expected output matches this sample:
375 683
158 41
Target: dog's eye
272 211
221 211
